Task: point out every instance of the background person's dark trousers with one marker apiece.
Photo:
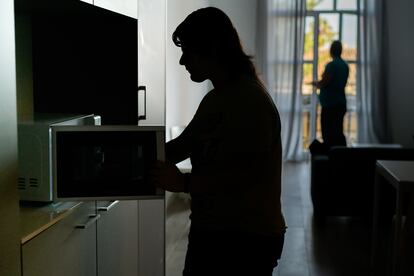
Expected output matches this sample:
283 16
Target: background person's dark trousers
332 124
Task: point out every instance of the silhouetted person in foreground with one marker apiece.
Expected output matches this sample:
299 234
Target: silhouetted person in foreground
332 97
233 141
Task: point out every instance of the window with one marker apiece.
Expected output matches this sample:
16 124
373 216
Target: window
326 21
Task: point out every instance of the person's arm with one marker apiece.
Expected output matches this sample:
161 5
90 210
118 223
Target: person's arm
325 80
241 172
167 176
177 149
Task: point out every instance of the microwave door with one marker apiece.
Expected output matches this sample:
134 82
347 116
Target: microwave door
106 162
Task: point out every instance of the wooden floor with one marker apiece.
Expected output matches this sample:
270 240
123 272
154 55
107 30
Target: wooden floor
340 247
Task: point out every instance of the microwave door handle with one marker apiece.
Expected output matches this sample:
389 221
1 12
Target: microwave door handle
144 89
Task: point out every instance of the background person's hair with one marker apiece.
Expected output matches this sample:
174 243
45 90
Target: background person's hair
210 32
336 48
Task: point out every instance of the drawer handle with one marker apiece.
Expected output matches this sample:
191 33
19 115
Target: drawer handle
109 207
91 220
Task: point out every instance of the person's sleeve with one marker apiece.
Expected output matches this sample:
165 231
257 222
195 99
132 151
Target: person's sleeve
327 75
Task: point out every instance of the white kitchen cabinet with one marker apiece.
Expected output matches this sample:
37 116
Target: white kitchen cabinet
117 239
151 233
67 248
126 7
93 238
151 60
87 1
101 238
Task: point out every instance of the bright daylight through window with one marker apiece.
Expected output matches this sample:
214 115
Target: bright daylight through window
326 21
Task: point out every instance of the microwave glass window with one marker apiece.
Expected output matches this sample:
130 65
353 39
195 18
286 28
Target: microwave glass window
100 164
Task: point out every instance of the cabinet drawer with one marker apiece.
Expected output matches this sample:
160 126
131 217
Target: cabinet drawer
66 248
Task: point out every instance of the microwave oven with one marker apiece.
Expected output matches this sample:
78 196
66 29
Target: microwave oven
105 162
35 153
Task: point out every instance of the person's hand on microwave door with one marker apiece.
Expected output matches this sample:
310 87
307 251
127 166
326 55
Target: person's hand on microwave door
167 176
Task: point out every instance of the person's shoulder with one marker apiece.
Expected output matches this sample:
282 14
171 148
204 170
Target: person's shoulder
345 63
340 61
259 96
336 64
207 101
249 84
209 95
342 65
330 65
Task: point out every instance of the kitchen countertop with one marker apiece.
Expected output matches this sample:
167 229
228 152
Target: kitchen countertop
36 218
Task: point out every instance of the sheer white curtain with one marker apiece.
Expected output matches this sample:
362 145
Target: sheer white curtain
371 108
279 55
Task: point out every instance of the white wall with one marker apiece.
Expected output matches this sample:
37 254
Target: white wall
9 230
183 95
243 15
400 88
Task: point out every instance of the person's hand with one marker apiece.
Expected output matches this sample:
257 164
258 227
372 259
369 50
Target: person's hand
167 176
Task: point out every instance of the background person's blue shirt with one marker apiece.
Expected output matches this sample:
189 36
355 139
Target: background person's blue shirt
333 93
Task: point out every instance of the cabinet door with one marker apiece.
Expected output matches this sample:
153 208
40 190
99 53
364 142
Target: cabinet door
151 233
151 60
64 249
126 7
87 1
117 238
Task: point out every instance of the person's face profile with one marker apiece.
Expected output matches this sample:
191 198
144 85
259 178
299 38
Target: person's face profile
196 64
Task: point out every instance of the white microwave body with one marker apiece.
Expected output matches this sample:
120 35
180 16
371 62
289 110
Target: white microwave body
35 153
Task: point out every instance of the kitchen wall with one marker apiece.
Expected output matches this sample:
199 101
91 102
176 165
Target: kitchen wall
400 54
9 230
183 95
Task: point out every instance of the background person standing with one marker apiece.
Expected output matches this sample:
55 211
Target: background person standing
332 97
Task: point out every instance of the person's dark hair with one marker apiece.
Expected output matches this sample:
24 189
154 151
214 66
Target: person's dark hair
210 32
336 48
